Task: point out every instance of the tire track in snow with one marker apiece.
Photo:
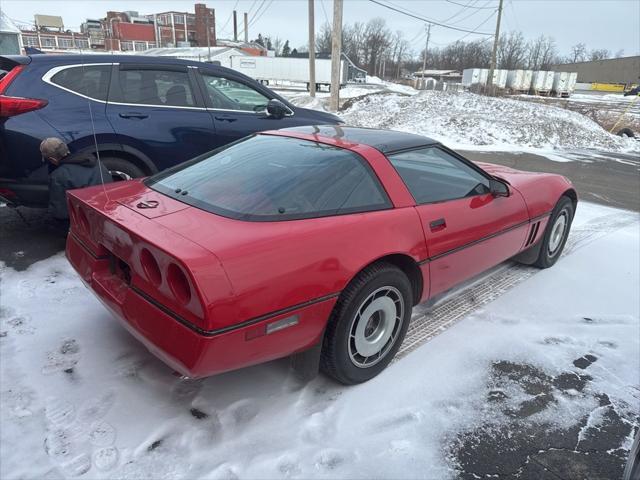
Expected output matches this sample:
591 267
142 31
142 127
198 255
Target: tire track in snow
428 322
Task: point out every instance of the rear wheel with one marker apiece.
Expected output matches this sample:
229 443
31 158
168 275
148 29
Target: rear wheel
556 233
367 325
121 169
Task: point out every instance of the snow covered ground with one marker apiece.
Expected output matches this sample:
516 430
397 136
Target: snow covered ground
473 122
556 351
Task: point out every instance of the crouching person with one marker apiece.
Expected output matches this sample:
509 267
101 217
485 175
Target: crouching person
66 172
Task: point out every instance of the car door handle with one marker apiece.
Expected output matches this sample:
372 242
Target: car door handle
226 119
133 115
439 224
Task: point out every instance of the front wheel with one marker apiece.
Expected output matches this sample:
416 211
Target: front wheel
556 233
367 325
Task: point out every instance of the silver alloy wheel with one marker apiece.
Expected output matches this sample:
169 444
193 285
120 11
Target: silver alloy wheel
557 233
117 175
375 326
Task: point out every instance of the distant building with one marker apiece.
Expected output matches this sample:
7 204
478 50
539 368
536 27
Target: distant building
49 34
199 54
132 31
440 75
625 70
10 43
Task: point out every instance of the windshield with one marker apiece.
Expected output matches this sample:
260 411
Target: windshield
267 178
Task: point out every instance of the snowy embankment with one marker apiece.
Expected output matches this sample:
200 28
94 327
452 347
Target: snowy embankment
469 121
558 352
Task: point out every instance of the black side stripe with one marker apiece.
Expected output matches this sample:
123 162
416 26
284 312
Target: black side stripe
487 237
246 323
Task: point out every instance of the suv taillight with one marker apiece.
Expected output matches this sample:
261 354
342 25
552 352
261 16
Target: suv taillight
11 106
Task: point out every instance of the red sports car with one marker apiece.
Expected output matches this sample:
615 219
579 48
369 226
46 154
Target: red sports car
319 238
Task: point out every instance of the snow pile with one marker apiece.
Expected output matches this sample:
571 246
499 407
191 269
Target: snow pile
81 398
321 100
466 120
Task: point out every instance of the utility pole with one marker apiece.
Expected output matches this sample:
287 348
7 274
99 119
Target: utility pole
424 59
492 67
336 55
235 26
213 26
208 39
246 27
312 51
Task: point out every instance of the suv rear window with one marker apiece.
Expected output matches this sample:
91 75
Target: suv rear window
270 178
89 80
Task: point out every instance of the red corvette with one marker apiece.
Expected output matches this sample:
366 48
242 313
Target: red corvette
318 238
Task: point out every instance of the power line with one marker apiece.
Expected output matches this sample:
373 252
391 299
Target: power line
326 17
473 12
423 19
481 24
462 5
256 18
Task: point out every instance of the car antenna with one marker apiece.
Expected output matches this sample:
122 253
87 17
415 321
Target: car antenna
95 138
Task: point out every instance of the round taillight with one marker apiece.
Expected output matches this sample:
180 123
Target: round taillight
83 221
178 283
150 267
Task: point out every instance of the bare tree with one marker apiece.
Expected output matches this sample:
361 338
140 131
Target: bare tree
542 53
277 43
512 50
599 54
578 53
323 38
620 53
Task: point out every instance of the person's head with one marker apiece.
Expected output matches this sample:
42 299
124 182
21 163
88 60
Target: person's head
53 149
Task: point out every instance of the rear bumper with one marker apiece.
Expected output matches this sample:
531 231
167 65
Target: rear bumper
25 194
184 349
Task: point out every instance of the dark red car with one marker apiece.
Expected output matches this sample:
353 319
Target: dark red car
320 237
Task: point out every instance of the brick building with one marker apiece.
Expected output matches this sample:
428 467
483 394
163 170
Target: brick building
49 34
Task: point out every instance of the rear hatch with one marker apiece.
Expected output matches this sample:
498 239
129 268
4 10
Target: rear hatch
139 253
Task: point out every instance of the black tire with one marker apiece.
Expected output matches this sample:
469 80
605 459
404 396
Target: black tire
625 132
550 250
121 169
338 358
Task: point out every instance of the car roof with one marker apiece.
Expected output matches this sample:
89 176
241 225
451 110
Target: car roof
386 141
75 58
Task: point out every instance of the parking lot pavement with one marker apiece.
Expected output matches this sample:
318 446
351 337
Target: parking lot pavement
28 235
611 179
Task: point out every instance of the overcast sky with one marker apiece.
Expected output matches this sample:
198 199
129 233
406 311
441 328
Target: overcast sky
610 24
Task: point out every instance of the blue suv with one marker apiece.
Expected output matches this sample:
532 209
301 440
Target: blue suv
148 114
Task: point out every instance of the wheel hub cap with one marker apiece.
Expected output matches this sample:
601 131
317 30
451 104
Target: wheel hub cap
375 326
557 233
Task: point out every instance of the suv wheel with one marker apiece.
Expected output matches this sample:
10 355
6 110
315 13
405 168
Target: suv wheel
121 169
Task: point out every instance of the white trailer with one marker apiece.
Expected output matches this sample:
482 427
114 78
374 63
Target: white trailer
499 78
564 83
473 76
519 80
542 82
287 70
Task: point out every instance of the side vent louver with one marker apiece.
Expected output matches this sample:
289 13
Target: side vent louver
533 233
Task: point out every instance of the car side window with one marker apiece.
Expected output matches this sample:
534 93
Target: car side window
155 87
231 95
433 175
89 80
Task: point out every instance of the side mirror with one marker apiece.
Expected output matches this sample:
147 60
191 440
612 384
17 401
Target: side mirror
498 188
276 109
